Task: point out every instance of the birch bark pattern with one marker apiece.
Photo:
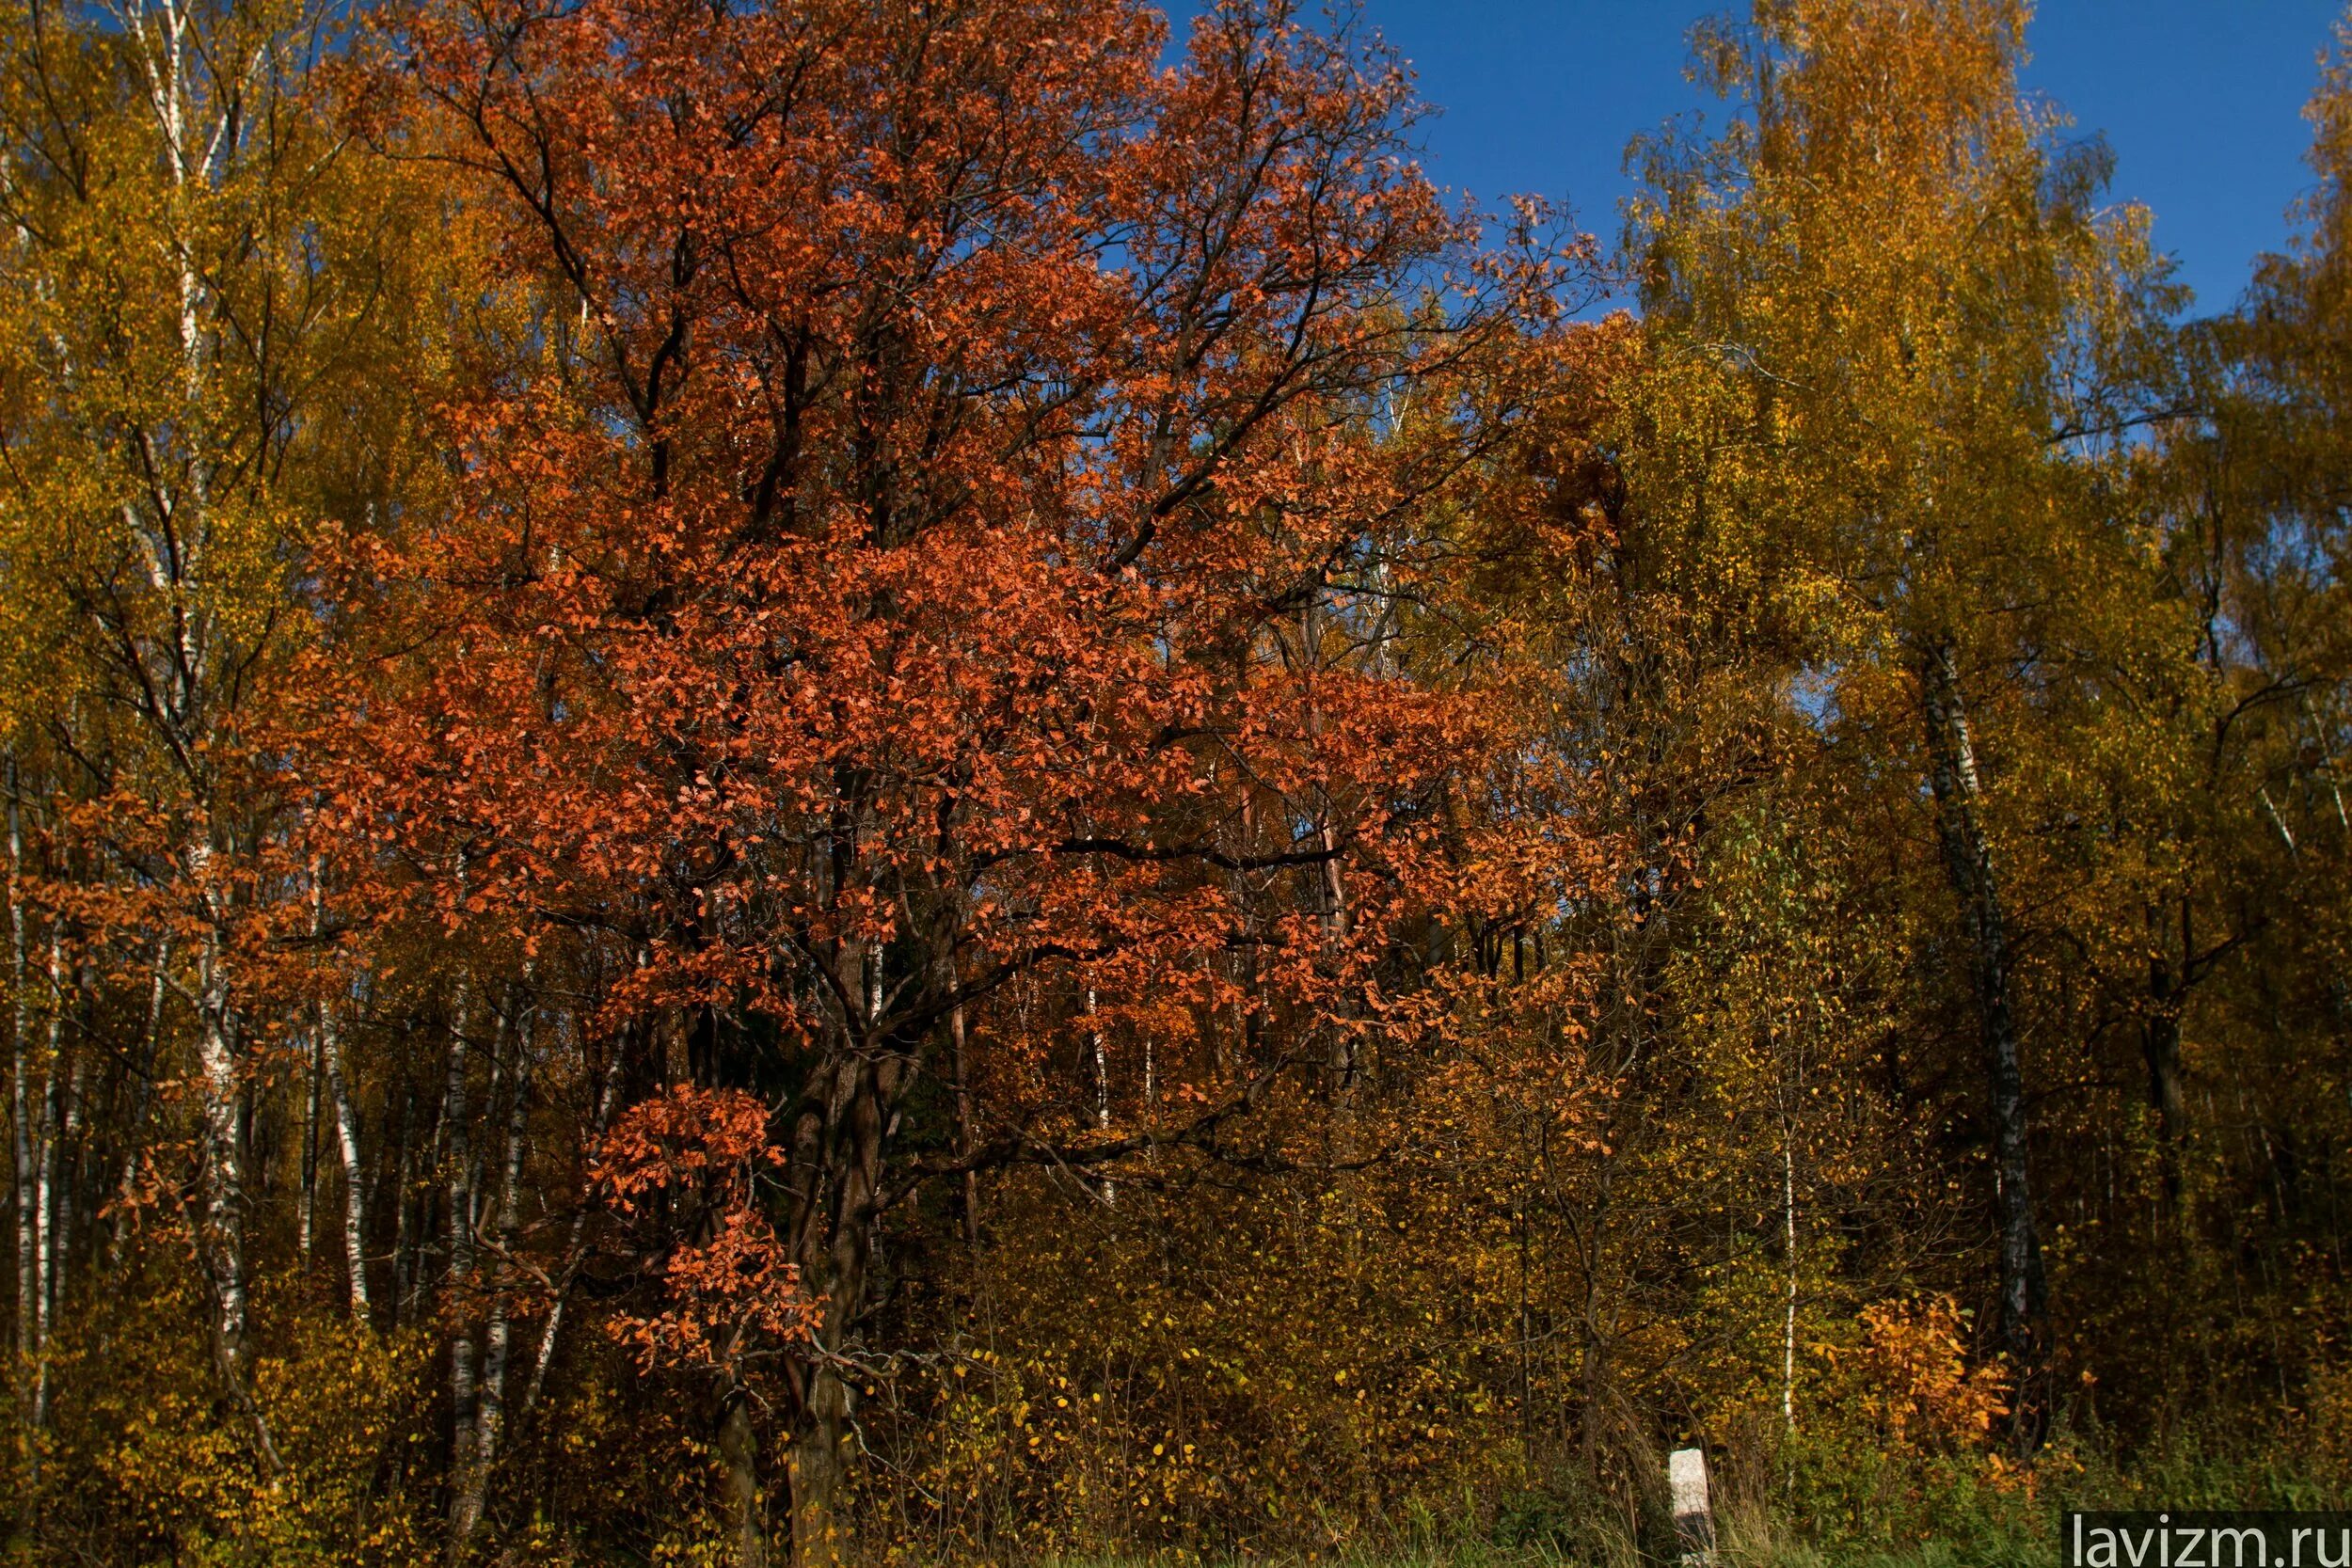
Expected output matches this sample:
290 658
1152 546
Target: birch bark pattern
221 1223
1788 1241
461 1259
490 1409
19 1100
50 1203
330 1066
1968 861
355 1180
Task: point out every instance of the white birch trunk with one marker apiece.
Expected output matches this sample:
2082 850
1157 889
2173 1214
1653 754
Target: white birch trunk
329 1065
45 1188
1788 1325
223 1220
347 1142
306 1203
455 1115
574 1251
1102 1089
20 1101
490 1415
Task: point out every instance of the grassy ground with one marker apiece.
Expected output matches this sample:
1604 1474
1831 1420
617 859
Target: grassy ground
1860 1511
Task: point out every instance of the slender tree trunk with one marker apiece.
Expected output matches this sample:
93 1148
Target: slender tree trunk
307 1199
224 1187
68 1164
143 1086
1788 1241
404 1207
490 1421
347 1142
2160 1046
573 1255
575 1249
1968 861
2160 1033
221 1224
45 1185
62 1167
1342 1065
462 1392
20 1101
328 1064
1100 1057
964 1143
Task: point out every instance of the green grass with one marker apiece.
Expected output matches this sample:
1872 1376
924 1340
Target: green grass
1837 1507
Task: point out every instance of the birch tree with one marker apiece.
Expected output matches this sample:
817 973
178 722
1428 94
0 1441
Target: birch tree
208 287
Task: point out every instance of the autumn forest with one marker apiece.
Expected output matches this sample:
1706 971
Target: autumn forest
851 781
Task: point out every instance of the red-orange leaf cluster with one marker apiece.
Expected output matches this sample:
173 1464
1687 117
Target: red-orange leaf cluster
732 1291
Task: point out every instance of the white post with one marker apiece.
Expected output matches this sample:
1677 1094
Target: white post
1694 1518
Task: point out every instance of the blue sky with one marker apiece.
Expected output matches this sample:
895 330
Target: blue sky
2200 101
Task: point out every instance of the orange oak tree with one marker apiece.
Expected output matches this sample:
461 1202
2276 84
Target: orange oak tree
940 548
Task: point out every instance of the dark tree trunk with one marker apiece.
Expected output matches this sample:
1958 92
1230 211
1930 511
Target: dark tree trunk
739 1454
2160 1043
2160 1033
2160 1046
838 1143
